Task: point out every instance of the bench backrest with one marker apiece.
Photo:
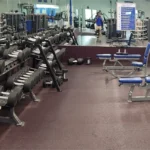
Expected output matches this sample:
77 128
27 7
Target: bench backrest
146 54
130 38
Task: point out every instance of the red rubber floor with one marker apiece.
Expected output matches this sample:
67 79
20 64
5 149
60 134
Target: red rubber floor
88 115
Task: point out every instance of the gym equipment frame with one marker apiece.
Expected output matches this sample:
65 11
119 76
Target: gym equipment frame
136 66
136 82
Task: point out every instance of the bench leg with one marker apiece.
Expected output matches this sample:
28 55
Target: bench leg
34 98
130 93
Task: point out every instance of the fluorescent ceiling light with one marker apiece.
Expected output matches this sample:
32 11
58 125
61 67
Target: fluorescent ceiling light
46 6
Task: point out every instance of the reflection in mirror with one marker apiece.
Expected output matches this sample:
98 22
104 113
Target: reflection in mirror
109 35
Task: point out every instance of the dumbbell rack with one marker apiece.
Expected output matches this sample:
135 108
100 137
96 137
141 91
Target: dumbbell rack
9 100
49 43
50 51
34 43
61 70
49 68
23 80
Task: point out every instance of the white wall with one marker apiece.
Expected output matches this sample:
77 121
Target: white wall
104 5
13 4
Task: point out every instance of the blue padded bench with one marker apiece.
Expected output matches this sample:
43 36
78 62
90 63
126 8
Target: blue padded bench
147 79
129 56
137 64
135 80
104 56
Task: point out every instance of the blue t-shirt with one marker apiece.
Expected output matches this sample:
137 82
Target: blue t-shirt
99 21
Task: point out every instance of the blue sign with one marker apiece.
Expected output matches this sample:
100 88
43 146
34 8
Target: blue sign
126 16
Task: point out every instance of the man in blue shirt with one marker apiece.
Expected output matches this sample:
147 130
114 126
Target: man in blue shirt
99 24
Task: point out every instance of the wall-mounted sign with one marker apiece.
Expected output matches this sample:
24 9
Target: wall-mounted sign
126 16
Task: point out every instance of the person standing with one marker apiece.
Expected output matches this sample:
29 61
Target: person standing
99 24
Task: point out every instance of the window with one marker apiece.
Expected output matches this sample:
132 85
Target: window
88 14
94 12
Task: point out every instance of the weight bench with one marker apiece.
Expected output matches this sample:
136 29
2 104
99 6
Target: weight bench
116 58
137 82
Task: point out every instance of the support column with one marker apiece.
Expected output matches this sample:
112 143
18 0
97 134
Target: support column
70 12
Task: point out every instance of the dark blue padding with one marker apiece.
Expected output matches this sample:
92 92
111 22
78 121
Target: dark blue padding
127 56
147 79
137 64
103 55
135 80
146 54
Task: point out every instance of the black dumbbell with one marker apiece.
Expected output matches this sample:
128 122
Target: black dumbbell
62 73
10 98
80 61
15 54
2 48
72 61
50 83
26 52
51 39
56 39
2 66
44 66
28 85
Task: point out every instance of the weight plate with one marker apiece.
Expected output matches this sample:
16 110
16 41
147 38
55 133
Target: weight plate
15 96
6 53
20 56
2 66
80 61
2 48
27 53
28 85
71 61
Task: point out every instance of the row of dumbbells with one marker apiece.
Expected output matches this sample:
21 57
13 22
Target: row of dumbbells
79 61
14 52
10 97
27 78
18 86
56 38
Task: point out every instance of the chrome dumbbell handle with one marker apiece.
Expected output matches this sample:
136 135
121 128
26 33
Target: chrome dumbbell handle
42 68
18 84
27 76
12 55
28 73
5 93
16 52
23 78
4 97
44 65
21 81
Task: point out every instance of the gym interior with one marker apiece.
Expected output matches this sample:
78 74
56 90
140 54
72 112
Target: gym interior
78 75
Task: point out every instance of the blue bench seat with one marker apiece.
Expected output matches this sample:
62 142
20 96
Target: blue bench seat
147 79
103 55
137 64
134 80
130 56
